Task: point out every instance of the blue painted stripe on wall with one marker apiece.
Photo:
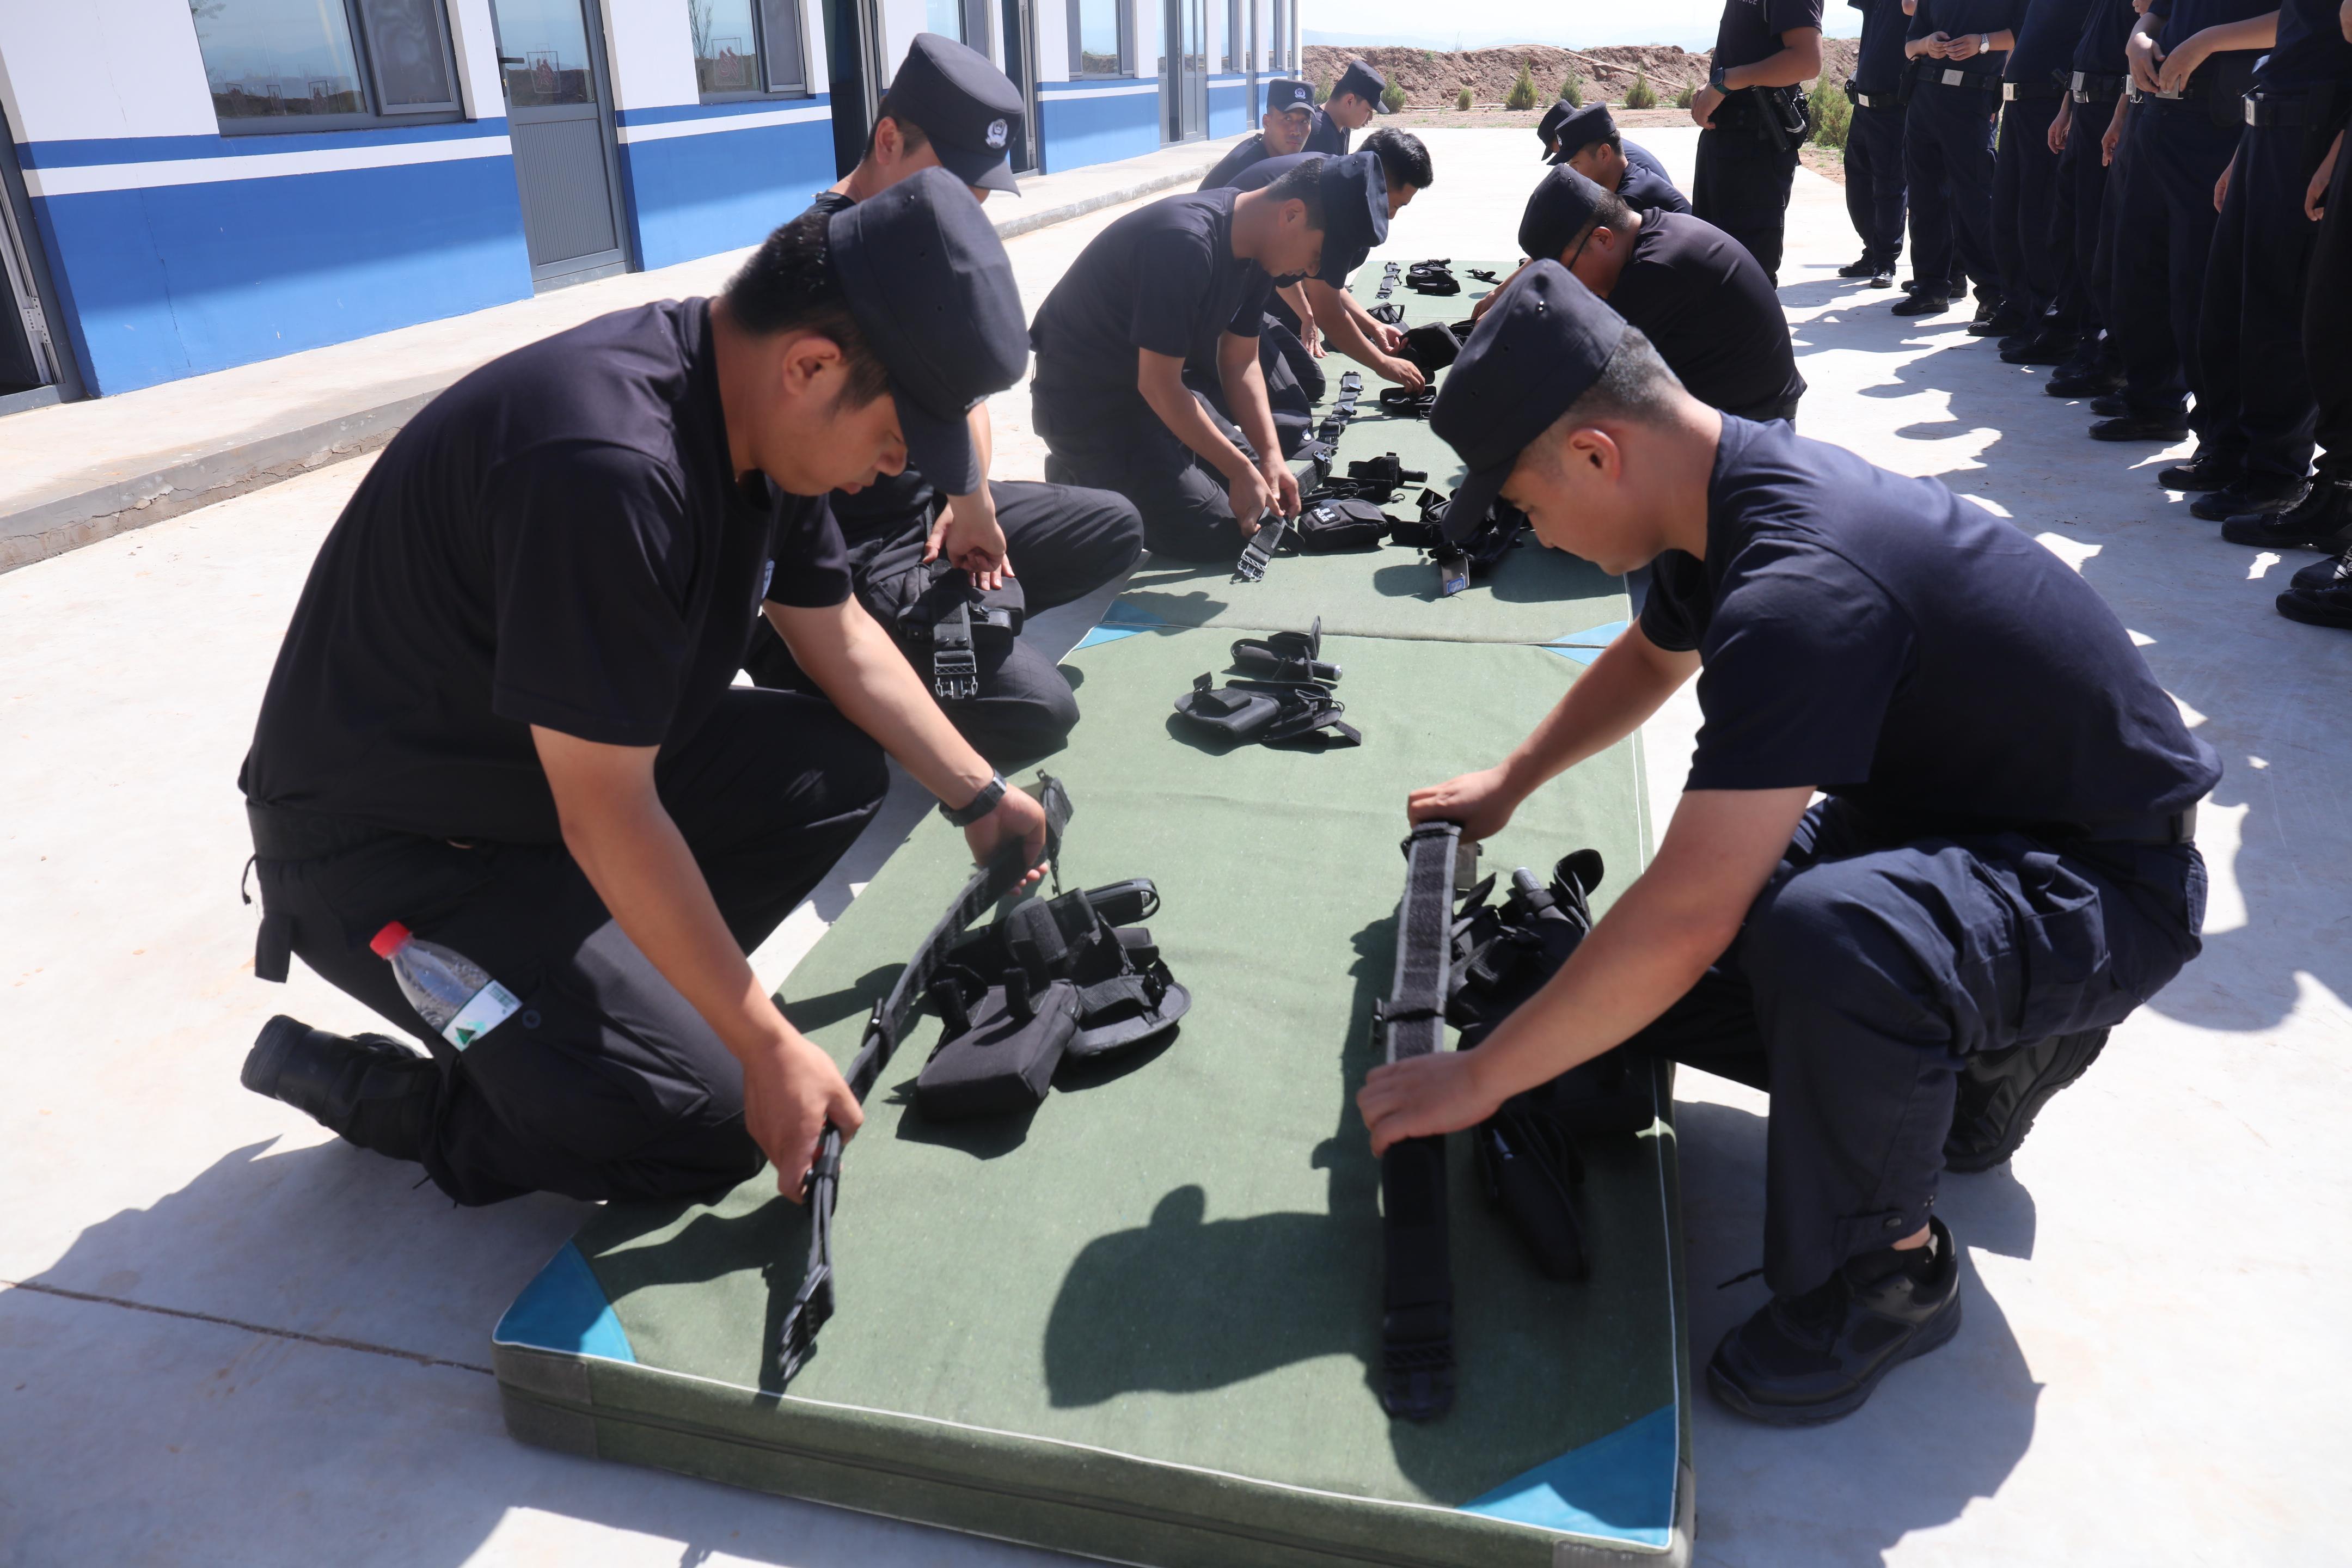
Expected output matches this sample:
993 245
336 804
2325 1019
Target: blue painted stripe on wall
1076 131
89 153
693 195
176 281
670 113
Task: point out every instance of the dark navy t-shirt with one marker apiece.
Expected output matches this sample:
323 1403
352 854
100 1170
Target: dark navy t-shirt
1705 304
2105 31
1252 150
2184 19
1163 277
1953 18
1751 29
1326 135
2311 48
1878 63
1647 187
2045 41
559 538
1878 639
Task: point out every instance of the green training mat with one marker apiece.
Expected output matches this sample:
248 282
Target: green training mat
1142 1324
1534 596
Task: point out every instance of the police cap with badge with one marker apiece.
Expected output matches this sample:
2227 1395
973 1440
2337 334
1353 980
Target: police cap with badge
1284 94
1365 83
1546 340
964 105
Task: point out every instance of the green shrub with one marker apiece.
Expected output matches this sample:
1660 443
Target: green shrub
1571 91
1392 96
1523 91
1682 99
1462 98
1833 111
1641 95
1322 89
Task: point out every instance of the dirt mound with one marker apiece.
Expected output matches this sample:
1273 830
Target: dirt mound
1433 77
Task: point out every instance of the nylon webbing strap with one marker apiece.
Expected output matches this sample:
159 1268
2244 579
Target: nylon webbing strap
1259 551
1417 1288
812 1305
955 666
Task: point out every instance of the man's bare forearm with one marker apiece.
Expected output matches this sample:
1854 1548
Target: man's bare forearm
856 665
1798 61
1630 680
1339 326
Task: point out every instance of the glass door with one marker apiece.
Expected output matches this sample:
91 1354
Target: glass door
1187 79
1021 65
851 28
33 368
552 64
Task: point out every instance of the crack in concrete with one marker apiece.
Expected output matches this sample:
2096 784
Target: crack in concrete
329 1340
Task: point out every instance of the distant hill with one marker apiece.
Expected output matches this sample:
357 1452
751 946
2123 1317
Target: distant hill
1432 77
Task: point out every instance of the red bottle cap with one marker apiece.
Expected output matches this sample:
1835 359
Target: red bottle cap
389 941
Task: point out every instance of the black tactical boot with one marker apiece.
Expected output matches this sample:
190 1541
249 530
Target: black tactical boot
2130 426
1867 266
2328 606
1804 1360
1996 320
372 1091
1919 303
2044 347
2248 497
2078 379
2322 575
2204 470
2000 1092
2321 521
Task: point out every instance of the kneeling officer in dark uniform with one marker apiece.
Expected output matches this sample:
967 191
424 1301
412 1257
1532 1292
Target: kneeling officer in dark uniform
2001 871
1588 142
503 714
918 557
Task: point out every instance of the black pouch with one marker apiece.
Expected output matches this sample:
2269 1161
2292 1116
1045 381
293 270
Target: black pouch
1127 998
1287 656
947 626
1266 714
1324 527
999 1055
1390 315
1432 346
1404 402
2227 80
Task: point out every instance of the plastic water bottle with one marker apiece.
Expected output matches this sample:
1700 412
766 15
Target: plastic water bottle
450 991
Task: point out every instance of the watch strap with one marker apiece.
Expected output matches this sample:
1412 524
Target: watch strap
979 805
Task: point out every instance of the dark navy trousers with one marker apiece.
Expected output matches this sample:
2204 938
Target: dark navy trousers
2327 327
2033 260
2250 366
1875 960
1873 181
2164 238
1948 160
1741 186
2076 216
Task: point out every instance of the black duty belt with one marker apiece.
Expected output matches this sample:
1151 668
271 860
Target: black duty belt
1417 1283
1974 81
282 833
2089 89
2178 827
2011 91
2268 108
812 1305
1872 100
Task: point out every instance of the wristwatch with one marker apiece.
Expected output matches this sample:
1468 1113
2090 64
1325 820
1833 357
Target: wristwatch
979 806
1715 78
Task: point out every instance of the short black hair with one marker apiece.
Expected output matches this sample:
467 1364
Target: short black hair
1302 182
1403 159
1611 212
1614 142
789 285
1636 387
913 135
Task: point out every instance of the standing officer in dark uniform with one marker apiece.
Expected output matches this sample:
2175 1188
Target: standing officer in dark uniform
1041 545
503 714
2034 262
1909 968
1690 289
2321 594
1289 116
1589 143
1753 121
1873 141
2088 119
2193 60
1355 99
1957 48
1188 278
2249 331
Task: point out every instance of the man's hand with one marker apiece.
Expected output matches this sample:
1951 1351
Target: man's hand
791 1089
2221 185
1251 498
1312 337
1704 103
1402 372
1017 819
2145 58
2114 133
969 535
2175 68
2059 125
2314 196
1967 46
1483 803
1424 1097
1391 338
1285 485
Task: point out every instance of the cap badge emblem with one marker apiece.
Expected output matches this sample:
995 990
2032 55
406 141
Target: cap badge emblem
996 133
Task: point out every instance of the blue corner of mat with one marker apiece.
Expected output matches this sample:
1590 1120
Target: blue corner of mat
1594 637
563 1309
1618 1487
1581 655
1121 620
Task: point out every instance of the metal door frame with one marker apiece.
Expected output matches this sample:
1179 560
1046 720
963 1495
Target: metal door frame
1027 80
848 140
622 256
1181 99
25 268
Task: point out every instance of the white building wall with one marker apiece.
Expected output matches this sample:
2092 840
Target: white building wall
476 41
1053 22
76 69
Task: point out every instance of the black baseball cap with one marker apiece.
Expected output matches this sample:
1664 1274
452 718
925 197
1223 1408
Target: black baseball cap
1355 214
1283 94
965 105
1545 341
929 285
1548 127
1365 83
1562 203
1580 128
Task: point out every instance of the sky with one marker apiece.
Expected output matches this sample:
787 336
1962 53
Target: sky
1577 24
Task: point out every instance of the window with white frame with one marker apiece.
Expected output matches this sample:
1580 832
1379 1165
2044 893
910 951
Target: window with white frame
748 48
326 65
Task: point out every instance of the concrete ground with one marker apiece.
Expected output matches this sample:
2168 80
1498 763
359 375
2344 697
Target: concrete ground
232 1341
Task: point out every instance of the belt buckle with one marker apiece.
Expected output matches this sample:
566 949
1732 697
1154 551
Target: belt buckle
2009 92
1951 78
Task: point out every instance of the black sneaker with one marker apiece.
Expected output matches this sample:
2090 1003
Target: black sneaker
1865 267
2000 1093
2038 348
1917 304
2076 379
2002 323
2319 606
2204 470
2333 572
2110 406
1883 279
2322 519
2016 340
2130 426
371 1090
1804 1360
2250 498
